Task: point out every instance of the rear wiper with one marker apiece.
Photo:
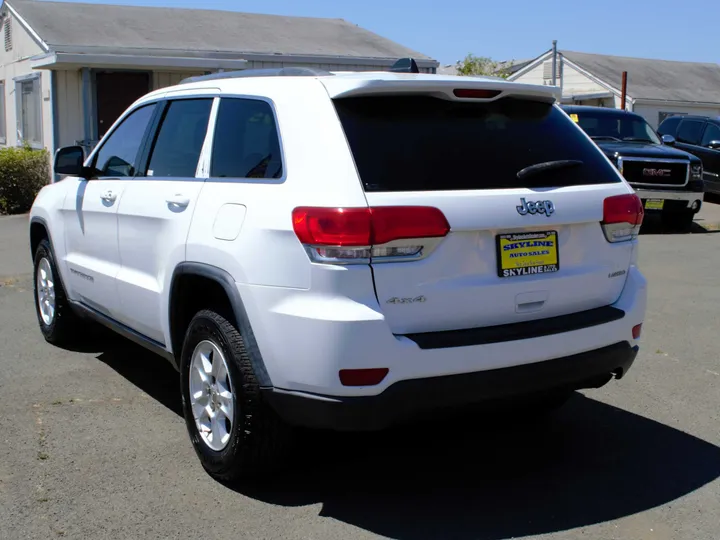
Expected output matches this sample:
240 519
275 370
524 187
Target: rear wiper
548 166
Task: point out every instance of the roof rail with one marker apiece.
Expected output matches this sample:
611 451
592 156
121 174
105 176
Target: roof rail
405 65
273 72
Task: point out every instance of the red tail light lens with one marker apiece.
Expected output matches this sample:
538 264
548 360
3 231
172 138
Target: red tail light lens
367 226
333 226
475 93
362 377
340 235
622 217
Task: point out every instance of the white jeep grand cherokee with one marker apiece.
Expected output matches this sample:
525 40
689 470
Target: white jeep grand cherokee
344 250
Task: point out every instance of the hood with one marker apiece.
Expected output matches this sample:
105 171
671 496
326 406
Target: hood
637 149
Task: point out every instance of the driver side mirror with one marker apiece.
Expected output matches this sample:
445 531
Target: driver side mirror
714 145
668 139
69 161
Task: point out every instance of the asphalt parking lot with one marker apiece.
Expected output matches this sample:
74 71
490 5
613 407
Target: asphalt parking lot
92 444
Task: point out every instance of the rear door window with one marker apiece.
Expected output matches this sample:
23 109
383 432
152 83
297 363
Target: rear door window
419 143
690 131
246 142
177 147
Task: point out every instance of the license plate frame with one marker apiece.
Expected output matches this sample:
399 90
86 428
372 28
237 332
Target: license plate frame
535 260
654 204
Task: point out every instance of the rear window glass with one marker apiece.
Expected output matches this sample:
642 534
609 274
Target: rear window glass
418 143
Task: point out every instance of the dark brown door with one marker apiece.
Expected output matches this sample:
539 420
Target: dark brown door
116 91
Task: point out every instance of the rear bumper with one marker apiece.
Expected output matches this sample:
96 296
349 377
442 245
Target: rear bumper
686 196
405 399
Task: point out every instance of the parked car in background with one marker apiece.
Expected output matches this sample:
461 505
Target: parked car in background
668 180
700 136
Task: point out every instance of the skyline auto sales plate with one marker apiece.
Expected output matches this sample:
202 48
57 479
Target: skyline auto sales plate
527 254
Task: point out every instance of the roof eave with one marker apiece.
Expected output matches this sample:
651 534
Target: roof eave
56 60
653 101
233 55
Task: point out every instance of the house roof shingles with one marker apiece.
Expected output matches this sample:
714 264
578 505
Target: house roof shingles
64 26
654 79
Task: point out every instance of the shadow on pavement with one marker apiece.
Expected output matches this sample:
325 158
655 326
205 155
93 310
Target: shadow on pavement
652 225
150 373
473 478
477 476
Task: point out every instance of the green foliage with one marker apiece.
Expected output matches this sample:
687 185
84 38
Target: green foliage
482 65
23 172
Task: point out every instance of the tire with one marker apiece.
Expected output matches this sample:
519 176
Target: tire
678 221
257 437
59 325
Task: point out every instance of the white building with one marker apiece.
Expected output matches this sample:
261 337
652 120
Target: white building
67 70
655 88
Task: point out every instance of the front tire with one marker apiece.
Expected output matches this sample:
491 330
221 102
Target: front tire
234 433
58 323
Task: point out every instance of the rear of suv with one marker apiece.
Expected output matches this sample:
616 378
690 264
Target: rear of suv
345 251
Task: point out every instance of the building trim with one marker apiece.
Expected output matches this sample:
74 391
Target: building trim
33 34
65 60
697 104
531 65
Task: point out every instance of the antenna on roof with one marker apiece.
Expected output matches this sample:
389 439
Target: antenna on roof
405 65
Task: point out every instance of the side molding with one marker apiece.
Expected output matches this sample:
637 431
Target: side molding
126 332
226 281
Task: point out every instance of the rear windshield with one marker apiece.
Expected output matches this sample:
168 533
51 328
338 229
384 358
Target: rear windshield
418 143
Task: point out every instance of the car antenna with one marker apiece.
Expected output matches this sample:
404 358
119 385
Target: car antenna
405 65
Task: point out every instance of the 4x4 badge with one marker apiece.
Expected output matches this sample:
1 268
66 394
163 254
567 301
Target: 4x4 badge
537 207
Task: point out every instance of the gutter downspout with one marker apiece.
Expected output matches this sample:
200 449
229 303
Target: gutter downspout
87 106
554 62
54 115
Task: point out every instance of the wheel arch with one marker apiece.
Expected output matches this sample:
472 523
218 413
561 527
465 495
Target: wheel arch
224 281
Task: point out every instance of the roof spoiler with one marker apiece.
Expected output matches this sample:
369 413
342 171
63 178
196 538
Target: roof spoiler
405 65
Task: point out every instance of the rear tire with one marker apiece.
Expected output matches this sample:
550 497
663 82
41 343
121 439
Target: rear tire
58 323
235 434
678 221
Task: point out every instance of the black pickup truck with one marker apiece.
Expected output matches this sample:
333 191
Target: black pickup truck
668 180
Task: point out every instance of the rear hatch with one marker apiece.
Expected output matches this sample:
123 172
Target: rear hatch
520 246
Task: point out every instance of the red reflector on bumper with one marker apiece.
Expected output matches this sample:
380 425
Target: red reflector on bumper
362 377
636 331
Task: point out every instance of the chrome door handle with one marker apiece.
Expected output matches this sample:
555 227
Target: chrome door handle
109 196
178 200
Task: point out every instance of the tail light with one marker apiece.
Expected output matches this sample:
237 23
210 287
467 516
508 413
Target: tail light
347 235
622 217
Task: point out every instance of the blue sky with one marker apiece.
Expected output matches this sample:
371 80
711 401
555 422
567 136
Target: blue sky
512 29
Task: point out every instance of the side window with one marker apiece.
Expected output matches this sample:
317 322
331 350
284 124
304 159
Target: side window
668 126
176 150
119 154
712 133
246 142
689 131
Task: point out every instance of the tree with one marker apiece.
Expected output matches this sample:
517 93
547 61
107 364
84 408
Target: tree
482 65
